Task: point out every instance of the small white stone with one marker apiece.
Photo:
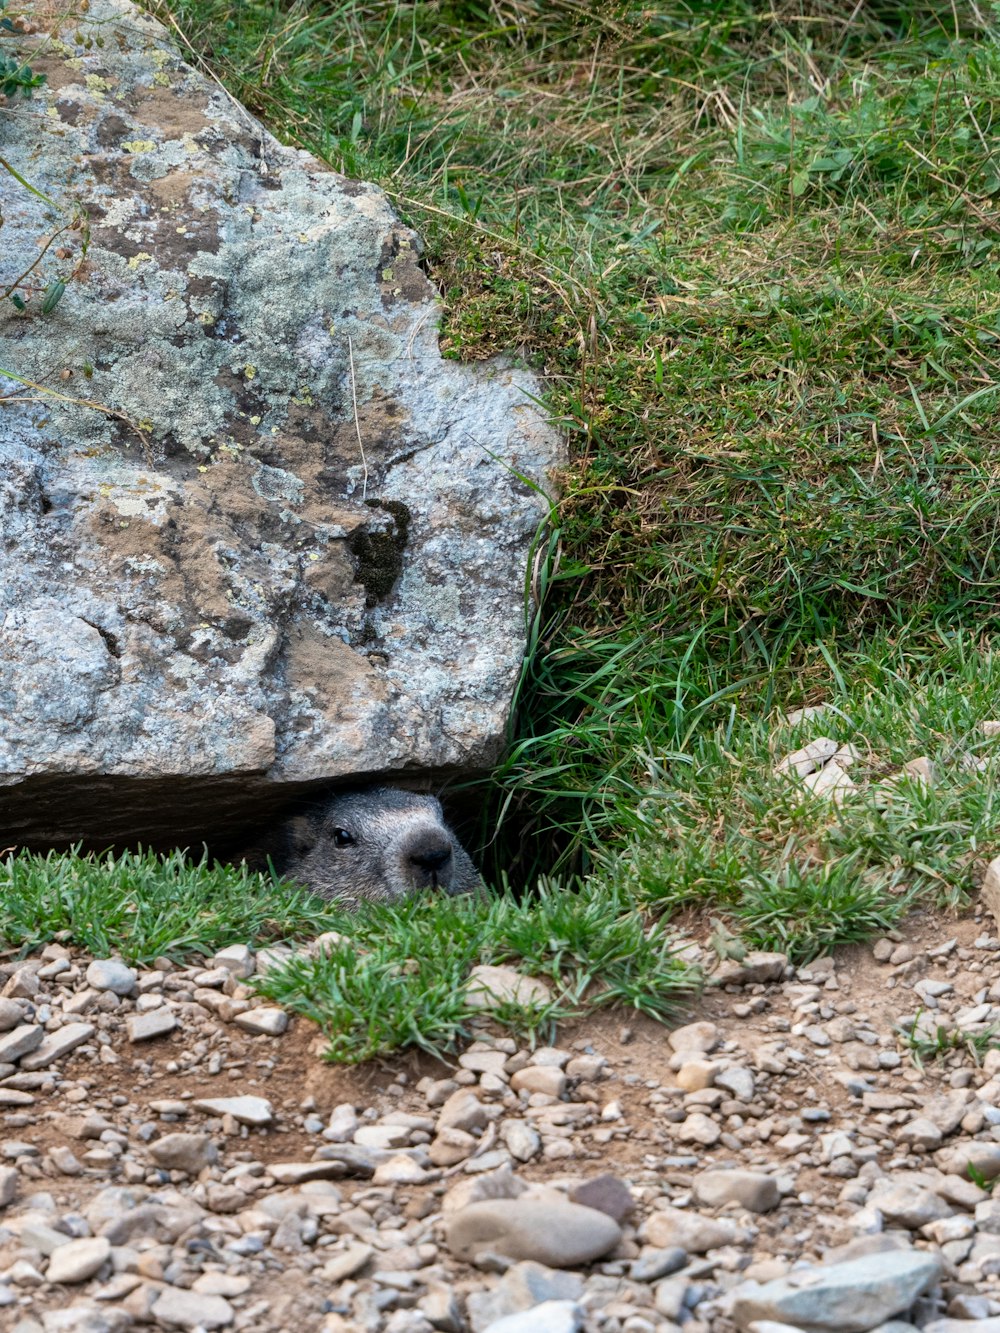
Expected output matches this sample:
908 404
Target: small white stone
830 781
192 1310
400 1170
520 1140
488 987
247 1110
800 763
111 974
144 1027
237 959
78 1260
268 1021
19 1041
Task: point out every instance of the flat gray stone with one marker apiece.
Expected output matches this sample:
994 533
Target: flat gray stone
294 1173
11 1014
266 1021
957 1158
989 1325
549 1317
179 1308
653 1264
346 1263
753 1190
842 1298
78 1260
19 1041
524 1286
189 1153
9 1179
909 1206
559 1235
155 1023
247 1110
739 1081
751 970
688 1230
57 1044
83 1317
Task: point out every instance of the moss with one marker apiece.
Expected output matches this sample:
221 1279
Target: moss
380 553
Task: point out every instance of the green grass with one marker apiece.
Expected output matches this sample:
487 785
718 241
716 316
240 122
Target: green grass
397 976
398 979
141 906
754 251
928 1041
753 248
721 828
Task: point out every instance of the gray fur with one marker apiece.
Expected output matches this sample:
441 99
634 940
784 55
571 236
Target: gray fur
399 845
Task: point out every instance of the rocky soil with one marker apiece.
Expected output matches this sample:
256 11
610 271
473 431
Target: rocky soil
176 1155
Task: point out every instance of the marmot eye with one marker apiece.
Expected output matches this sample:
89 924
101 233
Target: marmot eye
342 838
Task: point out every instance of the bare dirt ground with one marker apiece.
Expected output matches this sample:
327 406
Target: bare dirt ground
802 1081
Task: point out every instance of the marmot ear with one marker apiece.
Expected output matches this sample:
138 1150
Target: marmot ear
301 834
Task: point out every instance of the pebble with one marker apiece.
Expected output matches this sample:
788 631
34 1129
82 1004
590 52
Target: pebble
266 1021
246 1110
194 1310
57 1044
699 1128
548 1317
521 1141
653 1263
9 1180
19 1041
153 1023
558 1234
739 1081
694 1038
78 1260
296 1173
344 1265
607 1194
690 1231
549 1081
754 969
189 1153
111 974
752 1190
489 987
523 1287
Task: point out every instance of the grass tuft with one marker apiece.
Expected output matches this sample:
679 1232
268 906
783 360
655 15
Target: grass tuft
399 977
140 906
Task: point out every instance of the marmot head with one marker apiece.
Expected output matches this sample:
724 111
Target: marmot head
376 845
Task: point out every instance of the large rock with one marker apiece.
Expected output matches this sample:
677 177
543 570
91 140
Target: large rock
309 563
850 1297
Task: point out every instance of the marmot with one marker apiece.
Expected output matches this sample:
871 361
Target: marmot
374 845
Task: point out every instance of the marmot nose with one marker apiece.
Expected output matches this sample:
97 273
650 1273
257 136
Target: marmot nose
431 859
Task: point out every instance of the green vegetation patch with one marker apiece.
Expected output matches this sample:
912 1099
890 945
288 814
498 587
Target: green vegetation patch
399 976
140 906
753 247
722 830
